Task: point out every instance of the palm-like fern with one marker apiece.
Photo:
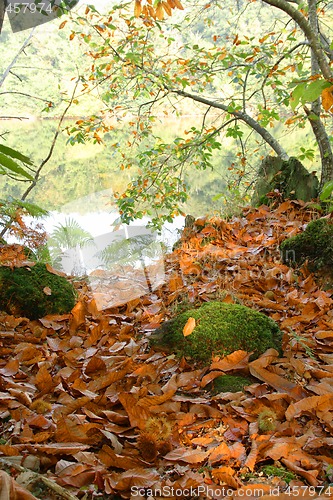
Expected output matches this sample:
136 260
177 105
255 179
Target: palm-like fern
66 237
69 235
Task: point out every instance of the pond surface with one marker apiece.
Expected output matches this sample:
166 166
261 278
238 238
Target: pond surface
80 170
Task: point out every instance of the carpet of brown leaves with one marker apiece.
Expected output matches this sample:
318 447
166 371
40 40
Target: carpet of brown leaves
87 410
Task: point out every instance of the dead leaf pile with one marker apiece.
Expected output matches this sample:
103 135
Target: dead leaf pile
100 414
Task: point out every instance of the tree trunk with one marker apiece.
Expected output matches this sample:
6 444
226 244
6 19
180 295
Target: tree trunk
317 125
319 65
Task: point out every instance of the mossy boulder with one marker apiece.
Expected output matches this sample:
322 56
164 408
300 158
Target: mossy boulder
315 244
288 177
220 330
34 292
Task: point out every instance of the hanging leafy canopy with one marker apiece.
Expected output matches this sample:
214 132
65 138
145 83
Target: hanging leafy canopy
200 61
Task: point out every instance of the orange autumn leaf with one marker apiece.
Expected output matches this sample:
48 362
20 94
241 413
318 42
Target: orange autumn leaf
178 4
167 8
137 8
78 312
159 12
327 99
189 327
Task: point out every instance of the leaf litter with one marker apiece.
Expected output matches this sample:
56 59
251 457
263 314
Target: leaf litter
88 410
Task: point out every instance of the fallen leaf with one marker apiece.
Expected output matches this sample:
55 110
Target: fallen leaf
189 327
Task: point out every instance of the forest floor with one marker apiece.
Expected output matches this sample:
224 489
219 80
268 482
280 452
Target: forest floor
88 410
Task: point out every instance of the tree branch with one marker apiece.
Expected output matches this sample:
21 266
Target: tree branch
241 115
311 36
25 95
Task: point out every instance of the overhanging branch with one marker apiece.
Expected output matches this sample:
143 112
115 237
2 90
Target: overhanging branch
240 115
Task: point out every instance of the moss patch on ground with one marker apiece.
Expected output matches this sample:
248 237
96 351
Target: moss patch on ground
315 244
220 329
230 383
34 292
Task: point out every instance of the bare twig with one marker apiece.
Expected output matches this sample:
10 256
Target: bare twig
7 71
55 138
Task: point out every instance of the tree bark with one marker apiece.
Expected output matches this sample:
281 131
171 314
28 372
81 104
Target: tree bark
317 125
319 64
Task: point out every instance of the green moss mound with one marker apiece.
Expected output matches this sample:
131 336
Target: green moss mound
230 383
34 292
220 329
314 244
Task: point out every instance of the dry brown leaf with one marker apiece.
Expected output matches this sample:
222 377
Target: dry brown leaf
321 406
137 8
54 271
107 379
71 430
137 414
43 380
219 453
11 368
237 360
258 369
78 313
61 448
139 477
111 459
187 455
149 401
77 404
11 490
309 475
226 475
73 474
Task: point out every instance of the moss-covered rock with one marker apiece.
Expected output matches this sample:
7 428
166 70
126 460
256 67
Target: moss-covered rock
315 244
220 329
229 383
289 177
34 292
